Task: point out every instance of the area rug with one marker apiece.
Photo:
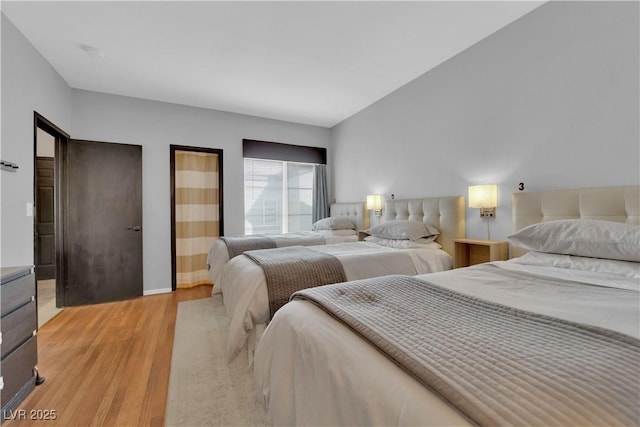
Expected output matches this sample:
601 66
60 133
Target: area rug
203 389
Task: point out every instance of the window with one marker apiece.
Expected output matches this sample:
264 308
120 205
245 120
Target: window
278 196
284 186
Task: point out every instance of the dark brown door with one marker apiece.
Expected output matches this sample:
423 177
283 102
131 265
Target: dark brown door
46 259
103 230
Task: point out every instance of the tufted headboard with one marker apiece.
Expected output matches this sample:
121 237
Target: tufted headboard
447 214
619 204
356 212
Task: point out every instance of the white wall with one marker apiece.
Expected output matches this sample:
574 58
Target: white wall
29 84
550 100
155 126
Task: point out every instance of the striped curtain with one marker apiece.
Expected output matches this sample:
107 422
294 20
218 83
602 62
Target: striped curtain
197 221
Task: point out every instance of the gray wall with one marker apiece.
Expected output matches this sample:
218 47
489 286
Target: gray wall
155 126
550 100
29 84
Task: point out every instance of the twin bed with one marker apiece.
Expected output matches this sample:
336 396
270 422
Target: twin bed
219 253
548 338
248 295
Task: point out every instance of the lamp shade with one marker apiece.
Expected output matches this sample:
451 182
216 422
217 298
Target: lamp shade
374 202
483 196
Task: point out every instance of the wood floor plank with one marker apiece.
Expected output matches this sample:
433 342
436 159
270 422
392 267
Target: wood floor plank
107 364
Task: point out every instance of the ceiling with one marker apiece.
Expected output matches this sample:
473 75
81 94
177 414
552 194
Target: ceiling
307 62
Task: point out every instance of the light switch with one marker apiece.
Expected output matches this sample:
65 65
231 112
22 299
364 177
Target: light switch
29 209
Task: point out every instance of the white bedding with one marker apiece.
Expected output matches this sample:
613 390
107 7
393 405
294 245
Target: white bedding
244 287
219 255
339 379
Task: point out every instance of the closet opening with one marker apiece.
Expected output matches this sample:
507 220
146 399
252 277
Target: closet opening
196 212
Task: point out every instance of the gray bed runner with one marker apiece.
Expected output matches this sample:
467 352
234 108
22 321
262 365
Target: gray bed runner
290 269
496 364
239 245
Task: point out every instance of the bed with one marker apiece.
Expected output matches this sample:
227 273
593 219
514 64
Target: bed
313 369
355 212
244 283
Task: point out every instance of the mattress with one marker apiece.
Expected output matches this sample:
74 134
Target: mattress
244 287
311 369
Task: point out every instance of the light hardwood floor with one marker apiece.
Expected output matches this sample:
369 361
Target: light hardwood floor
107 364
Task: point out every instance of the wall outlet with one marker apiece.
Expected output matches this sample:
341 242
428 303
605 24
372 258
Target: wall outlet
488 212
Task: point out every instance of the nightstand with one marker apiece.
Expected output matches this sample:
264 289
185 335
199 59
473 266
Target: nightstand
362 234
476 251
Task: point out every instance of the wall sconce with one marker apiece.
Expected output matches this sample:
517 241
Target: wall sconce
374 203
485 198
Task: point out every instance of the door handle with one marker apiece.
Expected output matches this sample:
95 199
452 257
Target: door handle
134 228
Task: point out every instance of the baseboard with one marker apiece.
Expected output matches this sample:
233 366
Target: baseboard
156 291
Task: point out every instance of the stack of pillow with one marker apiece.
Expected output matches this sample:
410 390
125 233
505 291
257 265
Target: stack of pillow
582 237
582 244
334 226
403 234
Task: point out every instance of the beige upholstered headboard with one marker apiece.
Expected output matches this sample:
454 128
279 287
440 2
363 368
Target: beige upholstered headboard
356 212
620 204
447 214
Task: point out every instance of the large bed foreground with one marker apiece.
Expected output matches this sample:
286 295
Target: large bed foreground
544 339
248 287
222 250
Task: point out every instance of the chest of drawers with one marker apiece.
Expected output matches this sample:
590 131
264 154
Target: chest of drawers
18 342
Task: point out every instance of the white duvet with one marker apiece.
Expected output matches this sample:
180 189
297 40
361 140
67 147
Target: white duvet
218 254
339 379
244 287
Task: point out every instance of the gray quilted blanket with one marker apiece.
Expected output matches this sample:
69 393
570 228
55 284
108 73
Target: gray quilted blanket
498 365
292 268
239 245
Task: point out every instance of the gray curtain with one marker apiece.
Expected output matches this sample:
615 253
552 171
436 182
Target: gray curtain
320 195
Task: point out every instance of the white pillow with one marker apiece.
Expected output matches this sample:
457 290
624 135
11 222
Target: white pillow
338 233
582 237
572 262
334 223
403 229
425 242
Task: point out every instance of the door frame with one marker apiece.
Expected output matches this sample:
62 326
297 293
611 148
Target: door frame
172 166
61 138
